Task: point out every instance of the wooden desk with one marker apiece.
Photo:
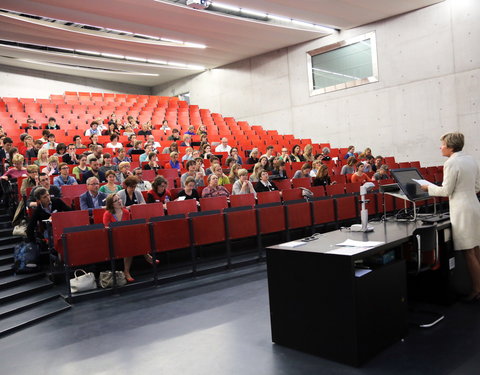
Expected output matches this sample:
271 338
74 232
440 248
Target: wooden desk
319 306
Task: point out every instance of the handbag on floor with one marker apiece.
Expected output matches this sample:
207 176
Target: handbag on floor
106 279
83 282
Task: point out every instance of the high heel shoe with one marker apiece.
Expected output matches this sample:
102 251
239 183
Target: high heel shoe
149 259
130 279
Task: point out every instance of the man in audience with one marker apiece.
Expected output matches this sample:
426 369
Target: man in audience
52 124
379 161
93 129
45 206
175 136
270 153
107 164
92 198
33 152
51 144
164 126
78 142
151 139
145 130
369 162
64 178
44 182
381 173
96 154
192 171
223 147
142 185
45 134
70 157
94 171
5 150
31 124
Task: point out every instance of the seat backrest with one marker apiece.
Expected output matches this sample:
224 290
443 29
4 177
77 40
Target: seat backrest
268 197
346 207
298 214
323 211
337 189
213 203
147 210
97 215
318 191
292 194
353 187
305 182
86 245
73 191
182 207
283 184
208 227
241 222
271 217
170 232
130 238
242 200
62 220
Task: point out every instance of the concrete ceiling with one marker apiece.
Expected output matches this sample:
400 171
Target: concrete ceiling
227 38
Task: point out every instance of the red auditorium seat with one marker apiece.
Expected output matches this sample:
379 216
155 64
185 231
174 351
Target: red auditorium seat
62 220
182 207
147 211
242 200
292 194
213 203
268 197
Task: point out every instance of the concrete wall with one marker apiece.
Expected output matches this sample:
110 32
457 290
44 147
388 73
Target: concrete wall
29 83
429 73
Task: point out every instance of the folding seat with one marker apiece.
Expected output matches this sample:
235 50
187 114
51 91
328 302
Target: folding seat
318 191
242 200
283 184
182 207
83 245
305 182
337 189
241 222
271 218
73 191
169 173
147 210
149 175
346 208
389 160
213 203
415 164
298 215
323 211
404 164
62 220
97 215
353 188
268 197
292 194
339 179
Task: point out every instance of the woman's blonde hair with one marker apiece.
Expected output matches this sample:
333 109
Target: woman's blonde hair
41 152
18 158
454 140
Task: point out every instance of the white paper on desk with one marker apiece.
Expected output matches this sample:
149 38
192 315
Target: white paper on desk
348 250
363 244
293 244
359 272
423 182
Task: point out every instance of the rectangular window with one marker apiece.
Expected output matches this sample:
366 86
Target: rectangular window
345 64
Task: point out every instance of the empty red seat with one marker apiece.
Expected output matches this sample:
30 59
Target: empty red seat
268 197
182 207
146 211
213 203
242 200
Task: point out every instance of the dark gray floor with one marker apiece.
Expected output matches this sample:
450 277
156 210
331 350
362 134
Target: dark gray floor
214 325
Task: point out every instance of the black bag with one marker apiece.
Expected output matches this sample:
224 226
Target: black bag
26 257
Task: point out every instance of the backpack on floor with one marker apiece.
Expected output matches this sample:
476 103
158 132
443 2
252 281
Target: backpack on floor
26 258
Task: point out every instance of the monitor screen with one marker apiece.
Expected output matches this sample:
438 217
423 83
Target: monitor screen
404 178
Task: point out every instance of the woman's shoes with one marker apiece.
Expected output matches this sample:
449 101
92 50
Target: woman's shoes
149 259
129 279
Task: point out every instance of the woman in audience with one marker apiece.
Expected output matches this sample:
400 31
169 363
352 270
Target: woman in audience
213 161
64 178
367 152
93 142
304 172
322 178
324 155
121 157
191 130
152 163
111 186
136 149
278 171
31 181
111 130
359 175
107 164
242 185
233 176
61 150
235 156
172 148
203 141
349 168
308 153
123 171
81 168
350 153
315 167
26 146
159 192
296 155
189 191
130 195
173 162
206 151
18 170
187 141
144 157
265 163
52 166
188 154
201 130
253 157
222 177
200 167
114 212
255 176
42 158
213 189
114 143
264 184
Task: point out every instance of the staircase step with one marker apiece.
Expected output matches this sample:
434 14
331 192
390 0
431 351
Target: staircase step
5 232
6 258
5 224
14 280
23 290
26 302
5 270
7 249
33 314
7 240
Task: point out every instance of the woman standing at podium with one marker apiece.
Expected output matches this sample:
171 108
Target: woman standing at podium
461 182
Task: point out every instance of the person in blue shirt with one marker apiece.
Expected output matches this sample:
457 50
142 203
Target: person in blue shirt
64 178
350 152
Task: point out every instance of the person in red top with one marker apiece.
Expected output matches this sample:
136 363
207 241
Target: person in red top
359 175
159 192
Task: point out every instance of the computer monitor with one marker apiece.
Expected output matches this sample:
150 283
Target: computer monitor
404 178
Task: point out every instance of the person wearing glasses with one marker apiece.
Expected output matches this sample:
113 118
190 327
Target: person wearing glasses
130 195
43 181
92 198
284 156
64 178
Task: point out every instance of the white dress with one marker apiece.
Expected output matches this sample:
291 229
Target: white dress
461 182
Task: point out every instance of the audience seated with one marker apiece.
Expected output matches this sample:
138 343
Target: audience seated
296 155
64 178
322 178
173 163
52 124
121 157
43 181
213 189
192 171
142 185
159 192
379 161
123 171
304 172
94 171
92 198
223 146
189 191
222 177
51 168
81 168
234 154
359 175
130 195
107 164
350 153
253 157
349 168
18 170
242 185
111 187
382 173
93 129
264 184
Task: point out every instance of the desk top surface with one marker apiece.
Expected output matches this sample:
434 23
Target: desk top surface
390 233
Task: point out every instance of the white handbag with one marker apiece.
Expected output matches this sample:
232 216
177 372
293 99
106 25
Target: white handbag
83 282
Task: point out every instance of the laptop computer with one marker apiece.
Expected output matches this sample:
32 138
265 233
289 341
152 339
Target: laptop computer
404 178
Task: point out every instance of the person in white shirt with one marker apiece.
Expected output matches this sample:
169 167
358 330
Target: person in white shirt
93 129
114 143
51 144
223 147
151 139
